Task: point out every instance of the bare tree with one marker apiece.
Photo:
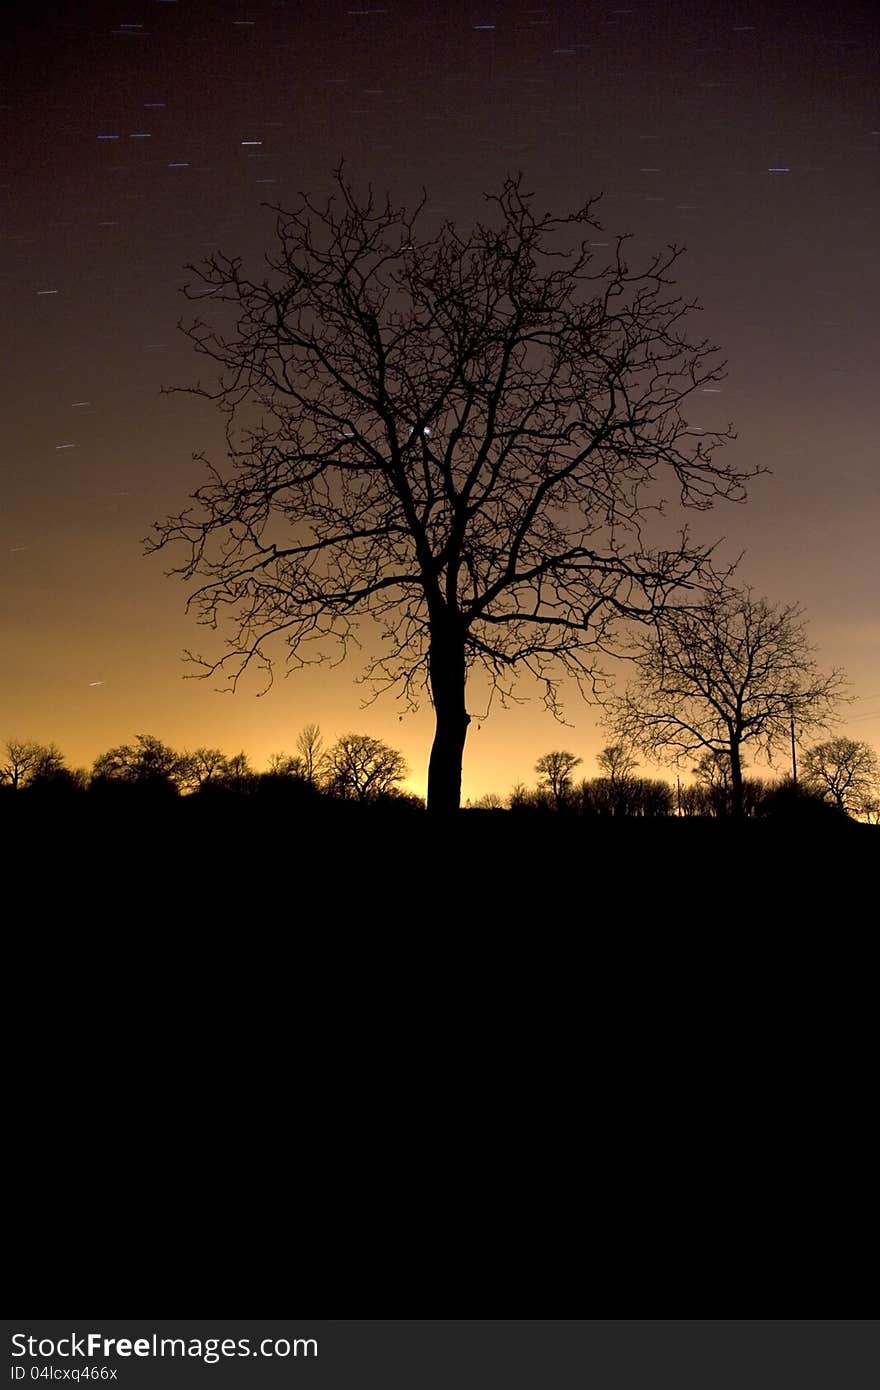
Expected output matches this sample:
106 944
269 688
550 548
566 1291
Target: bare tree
285 765
693 801
555 771
455 435
652 797
312 754
201 766
729 671
26 760
238 770
714 778
362 768
523 798
625 796
715 792
145 762
489 801
617 761
871 808
846 770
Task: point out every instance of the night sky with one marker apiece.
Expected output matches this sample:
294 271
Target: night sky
142 136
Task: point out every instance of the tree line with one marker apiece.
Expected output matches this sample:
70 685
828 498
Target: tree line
355 768
841 775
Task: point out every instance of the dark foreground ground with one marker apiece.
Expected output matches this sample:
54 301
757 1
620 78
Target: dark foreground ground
187 863
451 1042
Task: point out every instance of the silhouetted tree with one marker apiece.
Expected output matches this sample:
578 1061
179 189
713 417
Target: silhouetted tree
693 800
286 765
362 768
555 771
652 797
715 786
625 796
146 763
234 777
713 776
871 808
237 776
54 779
726 672
788 800
286 782
523 798
312 754
616 793
454 434
617 761
846 771
26 760
200 767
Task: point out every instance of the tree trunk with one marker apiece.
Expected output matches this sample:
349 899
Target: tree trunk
446 667
736 782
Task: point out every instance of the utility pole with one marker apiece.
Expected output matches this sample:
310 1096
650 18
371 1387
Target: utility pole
793 749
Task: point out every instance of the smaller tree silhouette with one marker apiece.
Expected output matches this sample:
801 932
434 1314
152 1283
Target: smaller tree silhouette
555 771
628 797
713 777
731 670
237 776
871 808
617 789
145 763
803 802
692 800
361 768
846 771
285 765
523 798
53 778
26 760
312 754
715 787
617 761
653 797
200 767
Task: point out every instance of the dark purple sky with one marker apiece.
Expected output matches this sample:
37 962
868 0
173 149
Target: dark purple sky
141 136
